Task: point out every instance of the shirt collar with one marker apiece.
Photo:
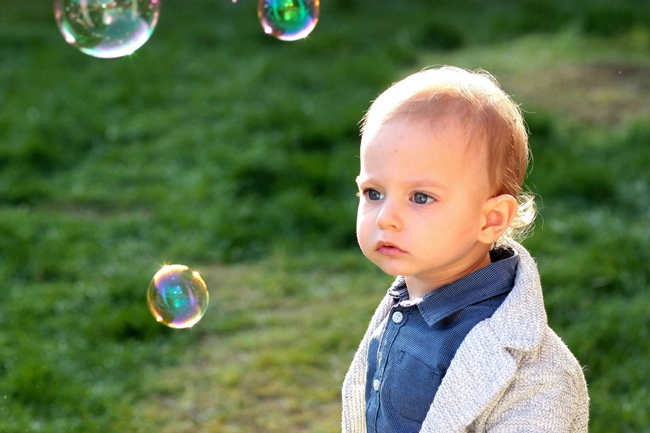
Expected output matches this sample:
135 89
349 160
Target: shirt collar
492 280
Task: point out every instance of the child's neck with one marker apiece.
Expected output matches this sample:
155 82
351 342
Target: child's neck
418 286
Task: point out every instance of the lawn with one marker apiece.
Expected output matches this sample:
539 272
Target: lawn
218 147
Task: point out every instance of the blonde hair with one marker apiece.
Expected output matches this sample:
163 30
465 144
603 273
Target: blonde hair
490 117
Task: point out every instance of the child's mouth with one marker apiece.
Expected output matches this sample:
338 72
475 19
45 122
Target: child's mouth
388 249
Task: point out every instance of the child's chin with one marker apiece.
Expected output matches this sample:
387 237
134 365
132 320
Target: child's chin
390 269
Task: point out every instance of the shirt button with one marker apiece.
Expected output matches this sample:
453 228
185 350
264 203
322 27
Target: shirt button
398 316
376 384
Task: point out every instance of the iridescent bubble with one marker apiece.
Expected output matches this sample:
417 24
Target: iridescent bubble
177 296
106 28
288 20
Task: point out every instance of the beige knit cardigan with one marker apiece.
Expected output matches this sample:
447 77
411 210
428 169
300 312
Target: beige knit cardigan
512 373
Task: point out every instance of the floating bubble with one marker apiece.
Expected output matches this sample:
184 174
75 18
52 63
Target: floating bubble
106 28
288 20
177 296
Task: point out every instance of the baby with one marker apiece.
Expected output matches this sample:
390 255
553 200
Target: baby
460 342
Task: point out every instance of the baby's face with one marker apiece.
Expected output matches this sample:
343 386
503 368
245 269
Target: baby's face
423 193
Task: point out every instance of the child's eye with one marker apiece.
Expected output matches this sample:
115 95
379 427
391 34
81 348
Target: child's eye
373 194
422 198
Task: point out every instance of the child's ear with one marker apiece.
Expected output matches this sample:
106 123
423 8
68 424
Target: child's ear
498 212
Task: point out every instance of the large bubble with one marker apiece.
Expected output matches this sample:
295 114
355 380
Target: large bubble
177 296
106 28
288 20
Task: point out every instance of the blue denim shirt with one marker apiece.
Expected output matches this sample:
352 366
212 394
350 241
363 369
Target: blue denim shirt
409 354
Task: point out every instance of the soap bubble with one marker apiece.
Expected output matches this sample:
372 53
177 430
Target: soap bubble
177 296
288 20
106 28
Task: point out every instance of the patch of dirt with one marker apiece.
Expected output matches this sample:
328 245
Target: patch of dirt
602 93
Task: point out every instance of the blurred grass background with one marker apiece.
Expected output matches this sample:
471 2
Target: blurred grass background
218 147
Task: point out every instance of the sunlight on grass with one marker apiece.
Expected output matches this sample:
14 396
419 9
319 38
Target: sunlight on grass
267 360
595 81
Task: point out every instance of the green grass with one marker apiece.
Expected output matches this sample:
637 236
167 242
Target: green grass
279 343
223 149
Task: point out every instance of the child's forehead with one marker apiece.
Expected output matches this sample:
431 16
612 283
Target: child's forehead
417 136
465 135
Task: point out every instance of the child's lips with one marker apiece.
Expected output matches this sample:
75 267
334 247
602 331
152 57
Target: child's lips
389 249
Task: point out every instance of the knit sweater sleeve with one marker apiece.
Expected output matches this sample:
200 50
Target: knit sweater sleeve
353 394
547 394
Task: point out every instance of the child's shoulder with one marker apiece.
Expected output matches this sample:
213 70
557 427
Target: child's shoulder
554 353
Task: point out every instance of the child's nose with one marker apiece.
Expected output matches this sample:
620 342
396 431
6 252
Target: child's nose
389 216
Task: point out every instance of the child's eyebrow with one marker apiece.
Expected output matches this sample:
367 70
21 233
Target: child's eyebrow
363 178
409 183
424 182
